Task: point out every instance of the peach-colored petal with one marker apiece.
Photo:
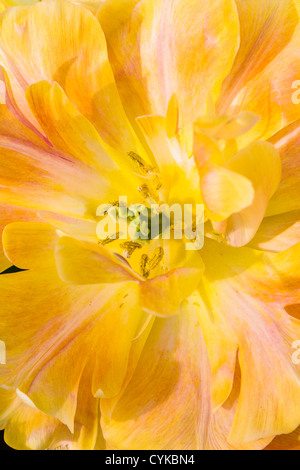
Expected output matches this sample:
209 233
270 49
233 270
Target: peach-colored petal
71 50
248 291
162 47
266 65
168 397
36 176
7 98
287 197
66 322
67 129
222 421
63 319
286 442
278 233
27 428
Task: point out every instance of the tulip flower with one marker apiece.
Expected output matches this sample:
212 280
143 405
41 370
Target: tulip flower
136 342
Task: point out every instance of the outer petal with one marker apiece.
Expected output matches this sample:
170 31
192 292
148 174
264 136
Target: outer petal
8 214
40 240
164 295
286 442
249 292
225 192
71 50
86 263
168 397
266 65
278 233
164 48
41 347
35 176
68 130
26 428
287 197
4 263
260 163
222 421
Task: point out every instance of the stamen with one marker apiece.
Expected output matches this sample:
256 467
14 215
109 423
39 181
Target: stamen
141 164
129 248
149 264
143 266
157 258
110 239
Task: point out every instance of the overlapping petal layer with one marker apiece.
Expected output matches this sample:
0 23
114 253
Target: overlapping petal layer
41 351
243 297
192 48
191 103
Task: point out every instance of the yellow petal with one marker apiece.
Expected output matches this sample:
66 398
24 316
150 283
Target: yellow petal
260 163
114 335
154 129
222 421
80 228
287 197
73 135
266 65
237 126
220 344
30 244
41 351
26 428
76 321
168 397
278 233
286 442
225 192
163 295
86 263
67 129
4 262
161 48
9 214
35 176
70 49
250 291
9 100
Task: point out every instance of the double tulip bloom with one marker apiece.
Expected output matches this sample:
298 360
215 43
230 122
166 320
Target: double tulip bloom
130 344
